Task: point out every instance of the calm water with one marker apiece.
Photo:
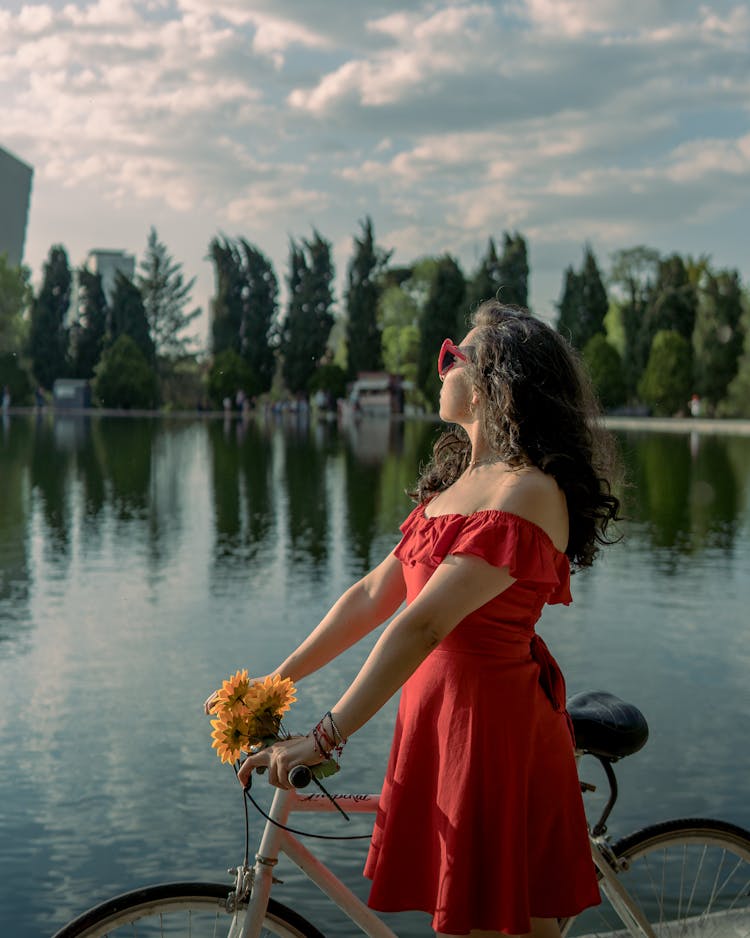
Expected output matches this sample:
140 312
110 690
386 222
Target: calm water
143 561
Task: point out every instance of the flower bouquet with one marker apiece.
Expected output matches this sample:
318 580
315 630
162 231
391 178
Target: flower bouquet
247 718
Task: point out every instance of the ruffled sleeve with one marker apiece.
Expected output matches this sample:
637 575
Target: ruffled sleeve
500 538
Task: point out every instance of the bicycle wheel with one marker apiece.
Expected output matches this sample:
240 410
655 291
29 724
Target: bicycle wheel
690 878
179 910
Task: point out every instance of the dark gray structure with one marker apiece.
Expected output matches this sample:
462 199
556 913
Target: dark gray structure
15 193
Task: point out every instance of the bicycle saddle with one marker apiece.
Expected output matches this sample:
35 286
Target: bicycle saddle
605 725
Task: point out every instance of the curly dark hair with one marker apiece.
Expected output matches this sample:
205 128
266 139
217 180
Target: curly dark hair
539 409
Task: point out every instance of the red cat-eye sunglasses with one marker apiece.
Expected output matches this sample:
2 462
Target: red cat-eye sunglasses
449 354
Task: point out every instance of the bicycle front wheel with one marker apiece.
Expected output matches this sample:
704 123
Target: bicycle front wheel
179 910
690 878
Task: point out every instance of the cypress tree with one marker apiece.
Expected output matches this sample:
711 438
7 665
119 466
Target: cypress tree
48 338
584 303
440 318
128 316
486 281
514 271
718 334
227 303
260 310
307 325
88 334
363 336
634 271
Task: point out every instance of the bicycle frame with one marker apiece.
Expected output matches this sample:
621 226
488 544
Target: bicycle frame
275 840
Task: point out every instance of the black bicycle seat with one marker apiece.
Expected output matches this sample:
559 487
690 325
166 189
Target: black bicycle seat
605 725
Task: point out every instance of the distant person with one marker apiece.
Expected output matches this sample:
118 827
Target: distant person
481 821
39 397
6 399
696 406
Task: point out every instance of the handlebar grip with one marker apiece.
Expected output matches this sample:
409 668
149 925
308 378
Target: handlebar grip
300 776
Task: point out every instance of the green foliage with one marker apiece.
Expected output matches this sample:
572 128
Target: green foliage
514 271
584 304
439 318
362 331
331 378
633 273
48 339
15 300
308 321
718 334
182 384
666 383
245 307
229 373
128 316
486 281
737 401
15 377
673 301
605 367
87 335
165 295
124 378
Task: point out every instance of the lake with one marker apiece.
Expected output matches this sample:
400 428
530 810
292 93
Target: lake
144 560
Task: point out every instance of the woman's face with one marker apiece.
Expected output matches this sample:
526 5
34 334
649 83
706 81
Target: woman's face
457 391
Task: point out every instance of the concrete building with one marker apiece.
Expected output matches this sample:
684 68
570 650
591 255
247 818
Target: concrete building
108 264
15 193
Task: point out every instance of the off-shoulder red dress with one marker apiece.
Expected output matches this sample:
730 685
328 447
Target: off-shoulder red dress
481 821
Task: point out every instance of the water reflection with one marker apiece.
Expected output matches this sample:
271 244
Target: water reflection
686 491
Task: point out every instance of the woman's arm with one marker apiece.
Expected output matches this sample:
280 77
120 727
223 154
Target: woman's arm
460 585
363 607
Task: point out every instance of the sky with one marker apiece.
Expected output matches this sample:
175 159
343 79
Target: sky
608 122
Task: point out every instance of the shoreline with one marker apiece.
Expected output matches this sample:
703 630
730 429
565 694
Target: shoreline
708 425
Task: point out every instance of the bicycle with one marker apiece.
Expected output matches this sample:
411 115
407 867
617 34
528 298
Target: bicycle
688 877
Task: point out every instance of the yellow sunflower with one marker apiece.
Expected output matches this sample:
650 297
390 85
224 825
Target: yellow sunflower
274 695
230 698
230 735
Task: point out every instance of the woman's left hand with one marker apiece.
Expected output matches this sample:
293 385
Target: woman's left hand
280 759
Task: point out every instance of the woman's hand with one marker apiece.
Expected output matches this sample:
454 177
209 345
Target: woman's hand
280 759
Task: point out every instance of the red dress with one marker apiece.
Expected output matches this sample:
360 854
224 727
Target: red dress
481 821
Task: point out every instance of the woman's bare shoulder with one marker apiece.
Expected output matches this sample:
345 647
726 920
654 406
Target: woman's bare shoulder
538 498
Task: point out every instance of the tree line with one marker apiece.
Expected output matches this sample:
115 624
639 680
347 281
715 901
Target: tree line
654 331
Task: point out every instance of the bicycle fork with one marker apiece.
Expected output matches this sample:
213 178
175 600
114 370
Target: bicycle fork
619 898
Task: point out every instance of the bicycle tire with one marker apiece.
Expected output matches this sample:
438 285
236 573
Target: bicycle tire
177 910
690 878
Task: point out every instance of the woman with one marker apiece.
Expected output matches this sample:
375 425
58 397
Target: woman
481 822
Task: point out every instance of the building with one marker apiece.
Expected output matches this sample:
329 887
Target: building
15 193
108 264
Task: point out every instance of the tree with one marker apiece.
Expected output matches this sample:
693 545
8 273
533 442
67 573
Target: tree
308 321
165 295
48 338
666 383
124 377
245 308
633 271
89 331
486 281
229 373
440 318
737 401
584 304
15 299
605 367
362 332
718 334
514 271
128 316
674 301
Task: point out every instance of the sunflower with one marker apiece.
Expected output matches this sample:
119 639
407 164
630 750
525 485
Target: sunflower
230 698
273 696
230 735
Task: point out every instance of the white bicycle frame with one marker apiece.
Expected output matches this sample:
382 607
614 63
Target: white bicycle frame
276 840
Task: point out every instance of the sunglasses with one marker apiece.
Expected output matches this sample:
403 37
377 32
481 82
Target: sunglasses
449 354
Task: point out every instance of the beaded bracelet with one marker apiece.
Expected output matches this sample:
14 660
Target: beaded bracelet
329 745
